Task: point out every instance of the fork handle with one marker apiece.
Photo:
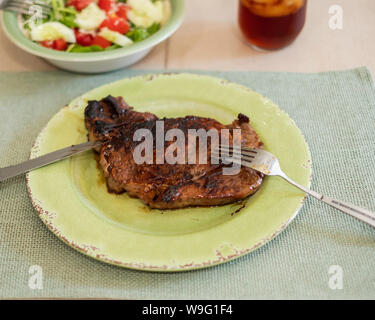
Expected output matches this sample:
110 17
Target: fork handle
355 211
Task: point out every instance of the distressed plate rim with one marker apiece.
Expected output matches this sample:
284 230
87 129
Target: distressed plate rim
90 251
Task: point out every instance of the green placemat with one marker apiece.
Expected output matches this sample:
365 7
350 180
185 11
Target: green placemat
336 113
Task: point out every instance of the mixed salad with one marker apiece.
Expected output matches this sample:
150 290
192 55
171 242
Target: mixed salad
96 25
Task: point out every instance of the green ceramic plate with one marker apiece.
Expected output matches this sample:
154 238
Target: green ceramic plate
72 200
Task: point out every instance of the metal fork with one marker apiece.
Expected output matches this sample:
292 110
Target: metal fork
26 7
265 162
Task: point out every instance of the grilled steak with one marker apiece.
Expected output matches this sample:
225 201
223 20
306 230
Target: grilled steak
165 186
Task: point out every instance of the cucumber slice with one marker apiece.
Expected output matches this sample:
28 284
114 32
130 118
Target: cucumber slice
50 31
90 18
144 13
115 37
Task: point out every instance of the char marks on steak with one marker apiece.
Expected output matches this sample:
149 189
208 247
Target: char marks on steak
165 186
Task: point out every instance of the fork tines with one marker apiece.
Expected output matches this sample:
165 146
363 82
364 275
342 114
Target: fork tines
239 150
32 2
236 154
23 6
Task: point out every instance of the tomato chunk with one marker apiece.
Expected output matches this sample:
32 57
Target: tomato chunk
47 44
115 23
84 39
122 11
106 5
78 4
101 42
60 44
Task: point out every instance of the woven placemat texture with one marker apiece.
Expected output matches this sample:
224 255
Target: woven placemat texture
336 113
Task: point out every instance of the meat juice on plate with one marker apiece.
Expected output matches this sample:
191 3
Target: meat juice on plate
271 24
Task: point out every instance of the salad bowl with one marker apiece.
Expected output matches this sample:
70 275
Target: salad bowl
94 62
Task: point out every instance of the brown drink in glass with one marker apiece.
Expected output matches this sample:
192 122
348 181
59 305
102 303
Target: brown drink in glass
271 24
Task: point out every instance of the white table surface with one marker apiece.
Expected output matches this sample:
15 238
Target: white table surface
209 39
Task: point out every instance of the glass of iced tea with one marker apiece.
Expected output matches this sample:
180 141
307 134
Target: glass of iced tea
271 24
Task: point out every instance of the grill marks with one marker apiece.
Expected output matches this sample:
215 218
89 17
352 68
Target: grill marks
165 186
